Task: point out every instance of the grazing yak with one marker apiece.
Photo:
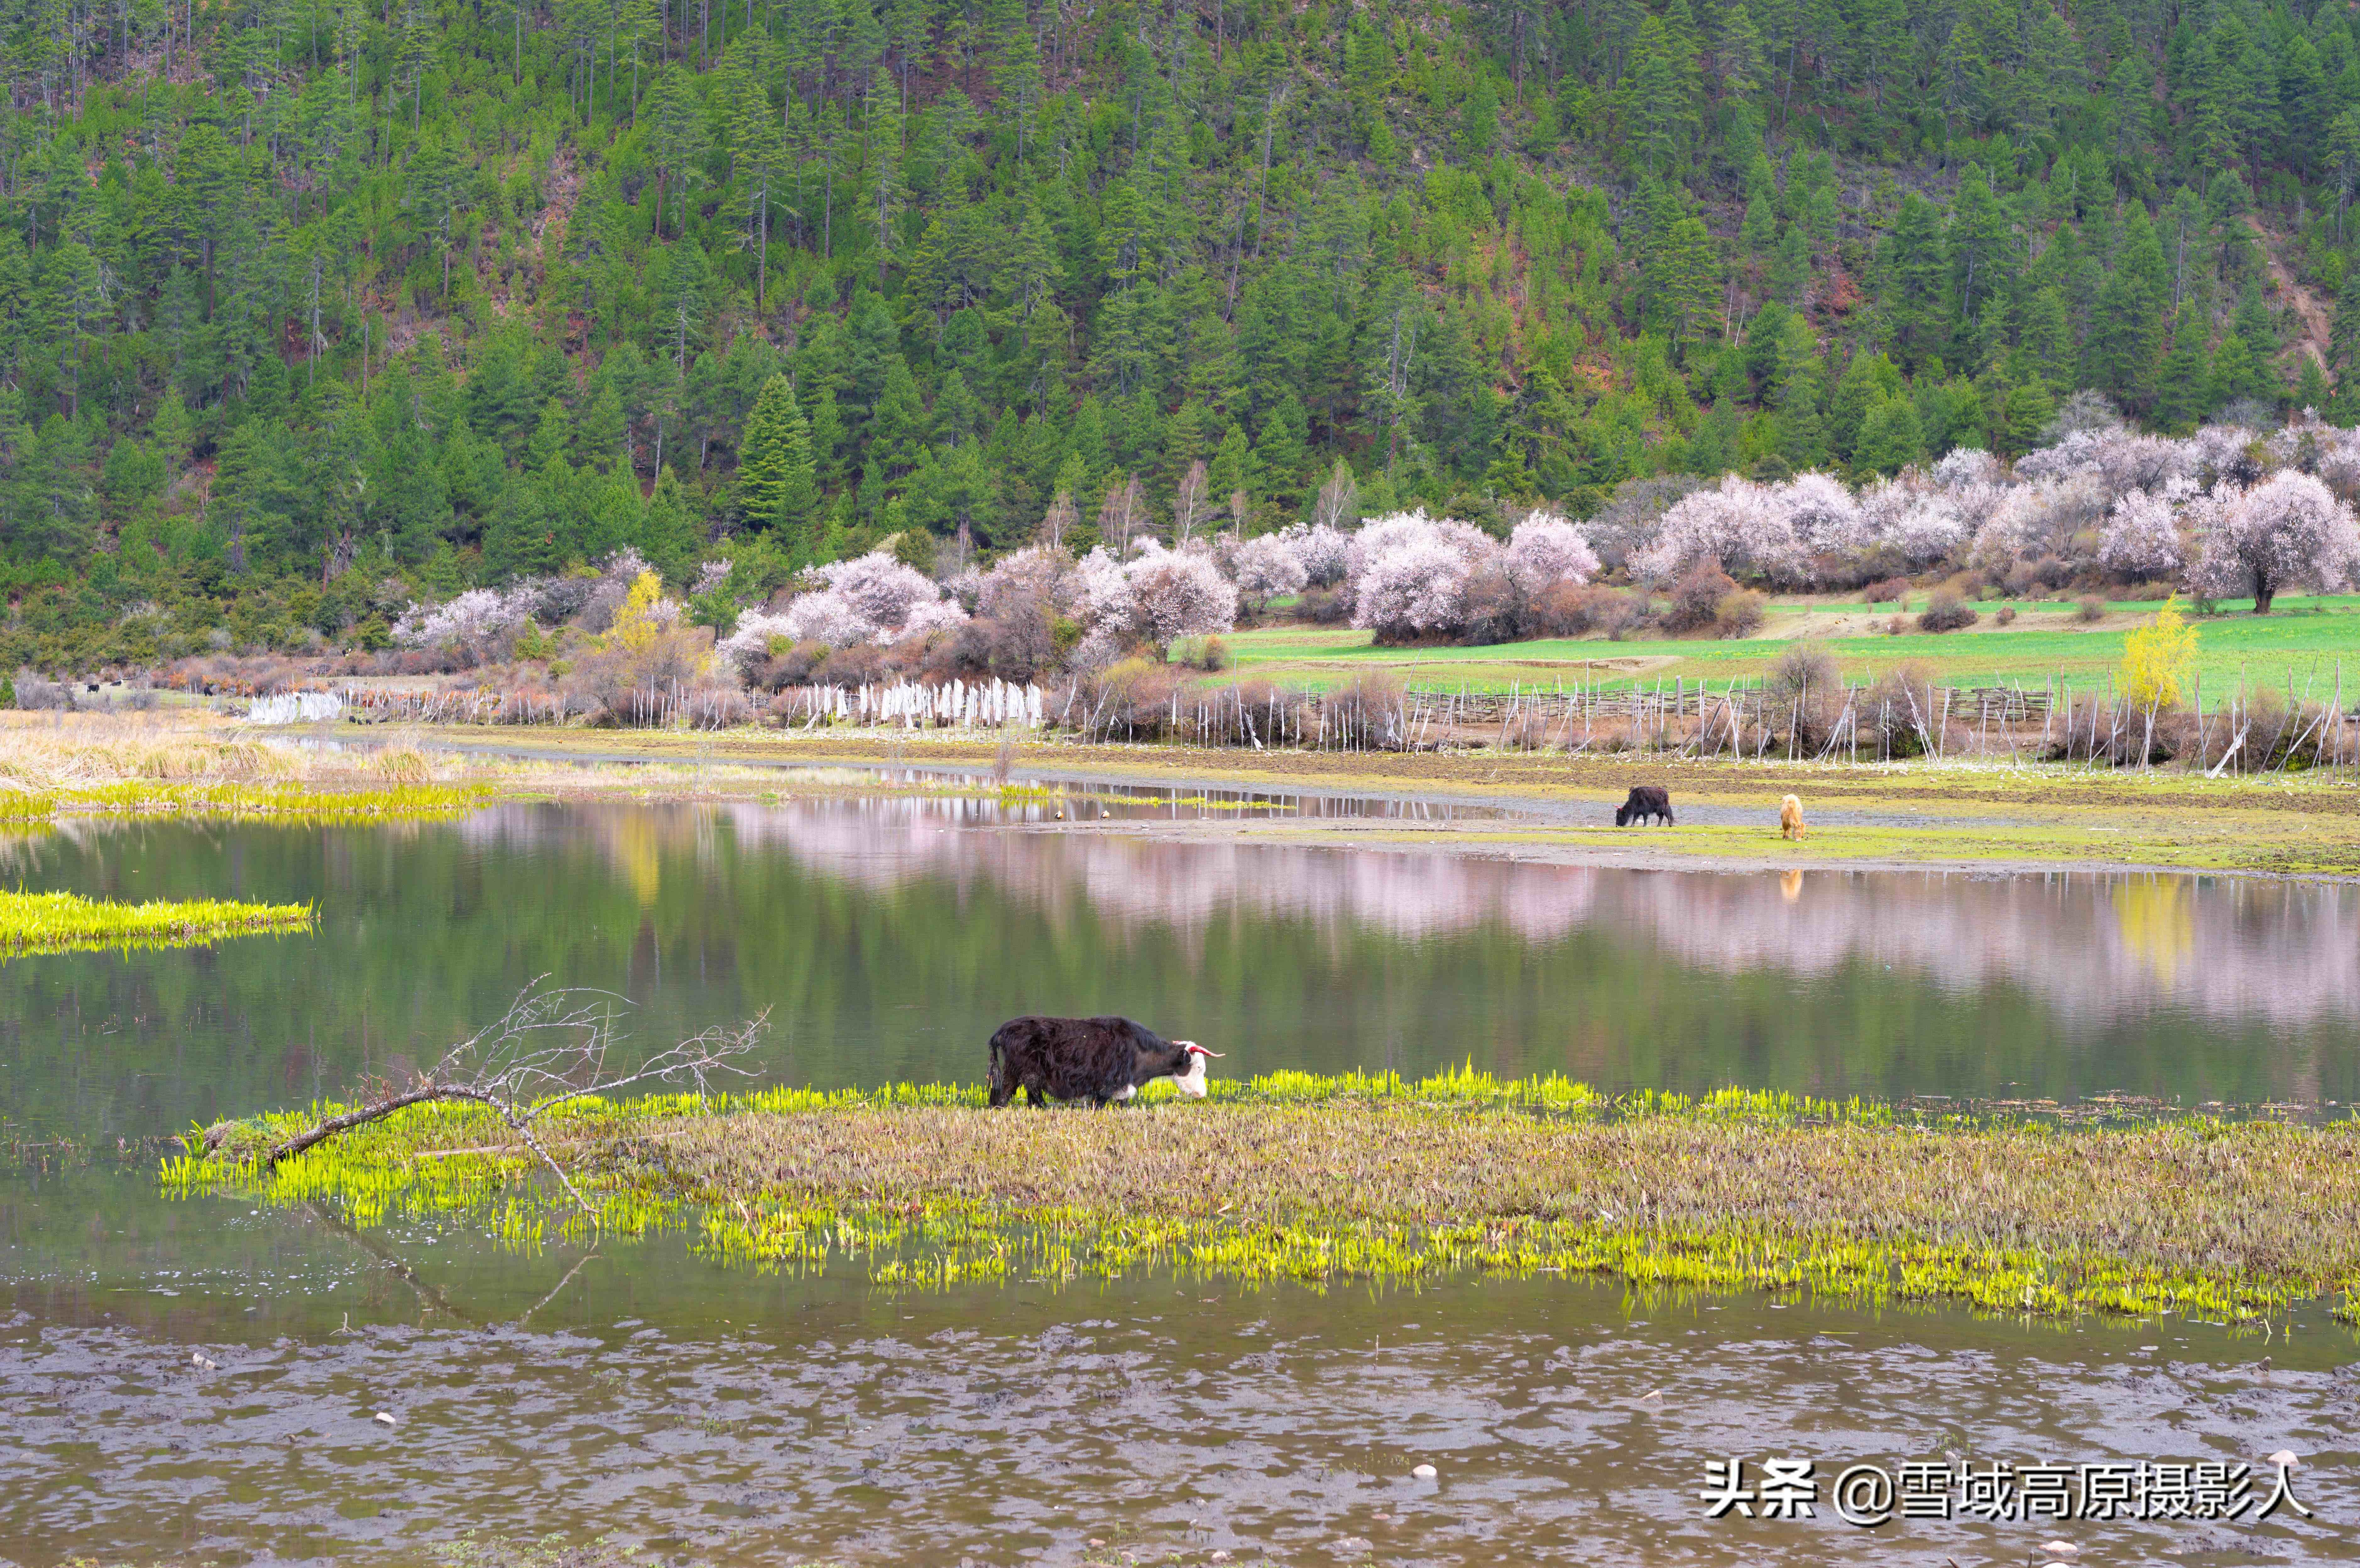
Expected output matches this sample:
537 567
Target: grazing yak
1790 817
1647 801
1097 1060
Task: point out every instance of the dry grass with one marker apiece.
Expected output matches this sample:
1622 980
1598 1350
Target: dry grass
50 752
2267 1204
53 751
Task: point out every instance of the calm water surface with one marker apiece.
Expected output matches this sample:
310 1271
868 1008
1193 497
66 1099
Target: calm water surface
888 938
748 1418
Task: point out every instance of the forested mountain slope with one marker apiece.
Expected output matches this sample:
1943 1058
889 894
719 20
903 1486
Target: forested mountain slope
306 307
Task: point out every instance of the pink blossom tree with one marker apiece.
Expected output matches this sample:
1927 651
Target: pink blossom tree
1156 597
1325 551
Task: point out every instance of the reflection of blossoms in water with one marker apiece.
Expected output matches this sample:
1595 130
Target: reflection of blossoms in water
2093 946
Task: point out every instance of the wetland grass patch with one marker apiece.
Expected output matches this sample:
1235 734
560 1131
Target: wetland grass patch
1325 1181
293 803
64 922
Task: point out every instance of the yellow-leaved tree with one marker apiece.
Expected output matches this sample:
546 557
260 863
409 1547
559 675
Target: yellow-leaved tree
2160 658
654 665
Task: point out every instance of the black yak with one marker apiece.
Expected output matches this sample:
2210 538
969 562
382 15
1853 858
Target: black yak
1097 1060
1647 801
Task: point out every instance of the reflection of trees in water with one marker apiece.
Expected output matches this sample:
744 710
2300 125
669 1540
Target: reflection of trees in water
2157 923
2091 945
888 941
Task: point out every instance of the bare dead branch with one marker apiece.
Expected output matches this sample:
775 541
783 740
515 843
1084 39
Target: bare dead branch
550 1047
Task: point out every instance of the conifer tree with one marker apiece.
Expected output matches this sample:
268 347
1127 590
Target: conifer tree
777 481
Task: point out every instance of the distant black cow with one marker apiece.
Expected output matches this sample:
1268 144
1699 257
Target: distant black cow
1647 801
1097 1060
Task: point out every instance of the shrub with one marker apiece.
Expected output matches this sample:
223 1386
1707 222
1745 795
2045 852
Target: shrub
1573 609
1019 642
1365 703
2093 608
1491 608
1896 625
1892 591
1899 711
648 655
862 664
1698 596
1131 697
1634 612
1946 612
1805 691
2006 616
1737 615
1325 607
1209 654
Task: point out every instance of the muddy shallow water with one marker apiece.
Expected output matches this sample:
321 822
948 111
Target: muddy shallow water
720 1413
744 1418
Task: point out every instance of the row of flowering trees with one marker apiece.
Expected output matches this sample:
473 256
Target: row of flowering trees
2227 513
1406 576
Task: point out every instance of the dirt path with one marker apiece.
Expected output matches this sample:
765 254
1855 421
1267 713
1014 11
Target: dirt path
2305 305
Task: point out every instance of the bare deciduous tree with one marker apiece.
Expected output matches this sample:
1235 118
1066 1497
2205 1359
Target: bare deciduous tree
1124 507
1189 502
1062 514
549 1048
1338 500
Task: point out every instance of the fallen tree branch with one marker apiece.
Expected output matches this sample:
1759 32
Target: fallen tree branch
549 1048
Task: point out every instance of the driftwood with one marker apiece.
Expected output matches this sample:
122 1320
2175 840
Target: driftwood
549 1048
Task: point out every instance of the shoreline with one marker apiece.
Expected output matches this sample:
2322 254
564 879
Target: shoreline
1908 817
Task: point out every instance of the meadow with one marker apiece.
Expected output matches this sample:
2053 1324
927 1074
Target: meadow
2298 643
1325 1181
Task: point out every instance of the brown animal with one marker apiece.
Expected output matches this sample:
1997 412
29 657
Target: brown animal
1790 818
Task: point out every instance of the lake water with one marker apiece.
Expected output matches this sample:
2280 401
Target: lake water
748 1418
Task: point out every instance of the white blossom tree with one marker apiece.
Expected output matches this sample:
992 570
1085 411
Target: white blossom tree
1409 574
2288 531
1748 527
1325 551
870 598
471 620
1545 549
2142 536
1267 569
1039 574
1177 593
751 641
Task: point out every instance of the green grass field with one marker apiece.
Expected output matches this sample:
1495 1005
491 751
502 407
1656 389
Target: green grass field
2302 640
